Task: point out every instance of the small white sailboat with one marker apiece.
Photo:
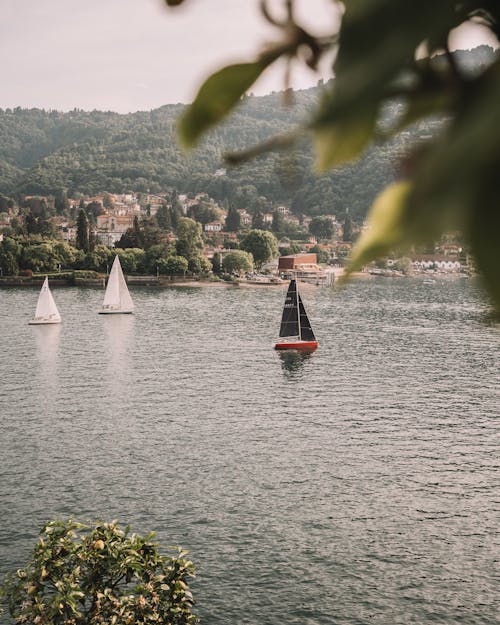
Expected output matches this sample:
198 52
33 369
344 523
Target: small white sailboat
117 298
46 309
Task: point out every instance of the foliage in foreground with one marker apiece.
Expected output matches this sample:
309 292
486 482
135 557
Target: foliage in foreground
88 575
450 181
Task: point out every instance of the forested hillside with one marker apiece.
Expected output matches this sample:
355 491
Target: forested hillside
44 152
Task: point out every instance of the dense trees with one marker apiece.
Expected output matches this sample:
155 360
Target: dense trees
38 254
91 152
322 227
8 264
43 255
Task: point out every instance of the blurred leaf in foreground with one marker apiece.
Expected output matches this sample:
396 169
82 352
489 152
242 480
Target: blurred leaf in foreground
386 51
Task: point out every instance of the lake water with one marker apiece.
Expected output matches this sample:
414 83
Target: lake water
359 485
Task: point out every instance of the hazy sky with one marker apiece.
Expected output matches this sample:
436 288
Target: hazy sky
128 55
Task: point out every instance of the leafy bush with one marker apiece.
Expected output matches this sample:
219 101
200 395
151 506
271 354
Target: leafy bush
237 261
173 266
86 274
85 575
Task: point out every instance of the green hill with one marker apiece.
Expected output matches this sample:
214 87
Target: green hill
44 152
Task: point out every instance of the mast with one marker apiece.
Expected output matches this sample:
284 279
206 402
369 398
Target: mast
298 309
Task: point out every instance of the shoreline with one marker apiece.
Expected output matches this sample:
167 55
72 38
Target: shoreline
165 282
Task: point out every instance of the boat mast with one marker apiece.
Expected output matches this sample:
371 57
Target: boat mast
298 307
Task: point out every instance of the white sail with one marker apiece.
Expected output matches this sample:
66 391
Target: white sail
46 309
117 297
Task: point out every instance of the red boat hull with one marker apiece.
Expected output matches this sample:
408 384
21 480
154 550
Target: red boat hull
303 346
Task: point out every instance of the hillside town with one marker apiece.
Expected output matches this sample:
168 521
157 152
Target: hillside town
314 248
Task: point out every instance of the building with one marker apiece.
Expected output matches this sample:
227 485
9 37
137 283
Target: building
437 263
245 218
296 262
213 226
284 210
303 267
115 223
111 227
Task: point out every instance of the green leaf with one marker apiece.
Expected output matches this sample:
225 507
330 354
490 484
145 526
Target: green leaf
375 51
218 95
484 231
385 226
174 3
336 143
460 176
378 40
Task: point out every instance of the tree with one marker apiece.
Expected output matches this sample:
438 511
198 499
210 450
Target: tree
108 201
129 239
258 220
322 255
8 263
321 227
61 203
189 239
278 221
99 258
130 258
138 232
261 244
204 213
233 220
173 266
199 265
163 217
237 261
89 574
65 253
82 231
154 254
451 183
94 209
17 225
40 257
347 229
216 263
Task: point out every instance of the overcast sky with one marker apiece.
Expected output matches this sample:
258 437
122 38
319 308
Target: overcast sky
129 55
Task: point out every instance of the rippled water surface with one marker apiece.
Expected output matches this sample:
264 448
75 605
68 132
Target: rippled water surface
358 485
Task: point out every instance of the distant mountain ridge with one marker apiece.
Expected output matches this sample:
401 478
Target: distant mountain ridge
45 152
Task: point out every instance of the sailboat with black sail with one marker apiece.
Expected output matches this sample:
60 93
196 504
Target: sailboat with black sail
117 297
295 331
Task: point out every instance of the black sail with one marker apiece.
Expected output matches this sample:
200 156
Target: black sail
306 333
290 318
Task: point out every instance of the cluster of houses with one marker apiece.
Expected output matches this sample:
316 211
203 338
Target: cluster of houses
117 213
118 217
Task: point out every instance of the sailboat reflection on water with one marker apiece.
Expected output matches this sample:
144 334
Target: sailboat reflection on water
292 361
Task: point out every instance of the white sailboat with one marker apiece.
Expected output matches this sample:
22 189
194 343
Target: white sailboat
117 298
46 309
